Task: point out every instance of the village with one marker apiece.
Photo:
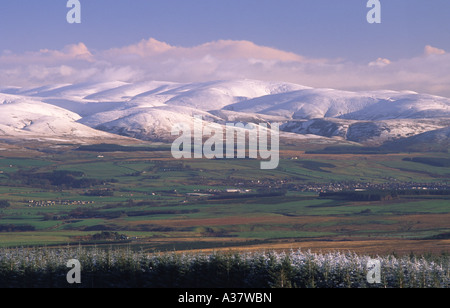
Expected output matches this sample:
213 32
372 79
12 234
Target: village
267 185
40 203
338 186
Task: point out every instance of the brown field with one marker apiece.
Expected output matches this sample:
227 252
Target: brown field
359 223
363 247
370 247
352 234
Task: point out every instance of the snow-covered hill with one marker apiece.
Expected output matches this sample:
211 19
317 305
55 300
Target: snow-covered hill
29 118
436 140
364 131
328 103
149 110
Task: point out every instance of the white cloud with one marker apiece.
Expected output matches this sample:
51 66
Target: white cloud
222 49
430 50
380 62
225 59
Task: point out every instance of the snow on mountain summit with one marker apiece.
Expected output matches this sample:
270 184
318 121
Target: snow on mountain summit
24 117
148 110
326 103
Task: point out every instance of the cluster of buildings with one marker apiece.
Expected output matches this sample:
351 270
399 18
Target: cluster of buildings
342 186
38 203
335 187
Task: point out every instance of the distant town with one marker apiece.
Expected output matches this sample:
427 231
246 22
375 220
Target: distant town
339 186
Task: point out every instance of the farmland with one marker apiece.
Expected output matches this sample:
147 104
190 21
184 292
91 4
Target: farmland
70 195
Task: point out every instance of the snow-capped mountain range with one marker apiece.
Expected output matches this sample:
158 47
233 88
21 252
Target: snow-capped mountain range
149 110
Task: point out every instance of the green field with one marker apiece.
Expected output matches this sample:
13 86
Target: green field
154 200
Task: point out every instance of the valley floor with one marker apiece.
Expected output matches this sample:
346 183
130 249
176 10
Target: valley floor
140 197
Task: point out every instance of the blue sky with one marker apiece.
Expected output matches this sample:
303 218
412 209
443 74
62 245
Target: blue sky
319 43
313 28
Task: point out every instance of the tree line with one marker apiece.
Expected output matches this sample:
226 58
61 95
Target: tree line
62 179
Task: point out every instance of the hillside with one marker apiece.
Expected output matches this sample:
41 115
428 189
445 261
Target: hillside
149 110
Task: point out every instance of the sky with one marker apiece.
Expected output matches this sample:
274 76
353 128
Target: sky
319 43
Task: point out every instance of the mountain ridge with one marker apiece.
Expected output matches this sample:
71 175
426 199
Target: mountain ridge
148 110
